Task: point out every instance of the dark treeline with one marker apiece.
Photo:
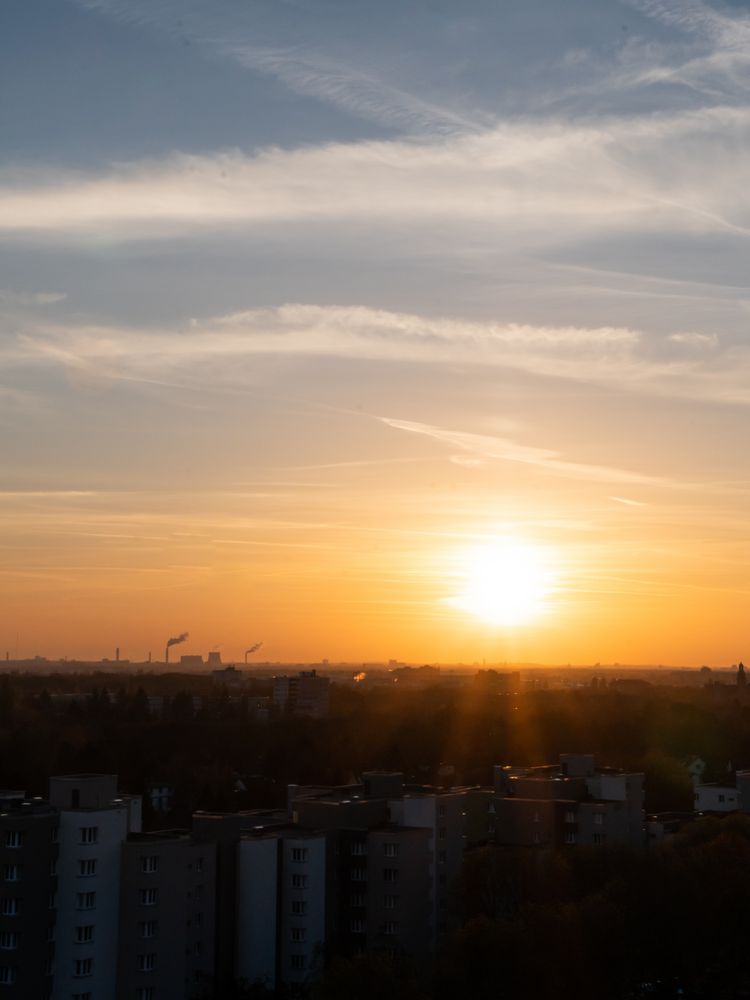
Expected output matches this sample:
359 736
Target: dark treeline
203 747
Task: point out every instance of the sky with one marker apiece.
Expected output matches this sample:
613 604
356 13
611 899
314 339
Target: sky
307 305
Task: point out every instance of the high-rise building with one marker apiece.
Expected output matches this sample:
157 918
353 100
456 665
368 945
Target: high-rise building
94 822
28 883
166 916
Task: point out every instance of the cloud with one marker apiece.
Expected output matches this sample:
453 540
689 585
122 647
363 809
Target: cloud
223 352
10 297
539 183
489 447
717 65
301 66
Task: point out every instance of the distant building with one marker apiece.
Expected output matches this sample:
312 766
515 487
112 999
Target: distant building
304 694
229 677
573 802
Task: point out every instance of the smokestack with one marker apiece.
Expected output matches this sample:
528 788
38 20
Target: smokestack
149 656
117 655
253 649
175 641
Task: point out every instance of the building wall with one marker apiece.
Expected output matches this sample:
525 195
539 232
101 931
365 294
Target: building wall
443 815
398 891
28 858
716 798
101 916
258 861
304 883
166 917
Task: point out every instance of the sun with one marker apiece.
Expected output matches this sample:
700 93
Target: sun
505 581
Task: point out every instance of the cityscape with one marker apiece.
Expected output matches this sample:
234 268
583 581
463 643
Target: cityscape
374 500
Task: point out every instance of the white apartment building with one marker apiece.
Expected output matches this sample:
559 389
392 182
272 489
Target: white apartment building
94 822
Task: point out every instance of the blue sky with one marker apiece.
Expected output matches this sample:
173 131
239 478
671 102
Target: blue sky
493 249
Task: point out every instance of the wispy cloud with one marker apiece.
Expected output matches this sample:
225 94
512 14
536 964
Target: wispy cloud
238 35
547 182
504 449
225 348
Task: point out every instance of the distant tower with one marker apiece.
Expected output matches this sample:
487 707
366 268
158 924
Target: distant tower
741 678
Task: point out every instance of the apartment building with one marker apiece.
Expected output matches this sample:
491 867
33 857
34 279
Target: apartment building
573 802
303 694
166 916
93 824
28 885
443 816
283 905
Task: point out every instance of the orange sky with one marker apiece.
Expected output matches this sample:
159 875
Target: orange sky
317 309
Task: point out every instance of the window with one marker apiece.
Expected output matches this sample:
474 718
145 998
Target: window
298 935
199 865
298 962
52 901
150 864
570 837
537 837
198 893
84 933
390 874
537 817
299 854
299 907
390 927
145 993
89 834
147 963
390 850
599 838
199 919
147 928
358 849
83 967
442 833
14 838
9 906
570 816
390 902
82 996
721 798
598 819
49 967
357 926
299 881
8 940
85 900
86 867
442 857
53 868
359 874
442 811
357 899
55 834
50 932
149 897
12 873
7 975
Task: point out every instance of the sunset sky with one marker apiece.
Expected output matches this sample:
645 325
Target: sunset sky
308 305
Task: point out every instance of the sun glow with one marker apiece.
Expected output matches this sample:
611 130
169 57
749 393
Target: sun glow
505 581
